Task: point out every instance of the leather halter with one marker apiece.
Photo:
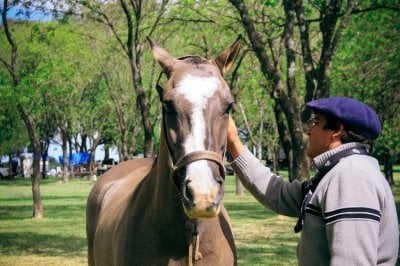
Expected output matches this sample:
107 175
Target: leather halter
196 156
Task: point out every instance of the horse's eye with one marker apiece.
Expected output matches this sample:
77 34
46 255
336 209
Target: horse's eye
228 108
169 106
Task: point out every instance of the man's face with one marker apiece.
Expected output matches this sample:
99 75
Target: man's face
320 139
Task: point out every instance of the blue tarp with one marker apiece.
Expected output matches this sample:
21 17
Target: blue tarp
77 158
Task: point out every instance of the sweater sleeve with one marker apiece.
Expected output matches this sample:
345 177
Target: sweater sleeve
269 189
352 216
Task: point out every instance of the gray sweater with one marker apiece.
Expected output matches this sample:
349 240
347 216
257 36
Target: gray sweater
351 218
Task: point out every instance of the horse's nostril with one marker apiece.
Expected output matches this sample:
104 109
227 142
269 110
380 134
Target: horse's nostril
179 178
187 192
181 173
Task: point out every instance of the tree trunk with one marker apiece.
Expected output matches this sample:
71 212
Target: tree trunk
44 152
275 161
133 142
124 154
43 157
284 137
70 161
64 146
106 152
239 187
134 53
37 199
95 143
143 102
83 147
388 167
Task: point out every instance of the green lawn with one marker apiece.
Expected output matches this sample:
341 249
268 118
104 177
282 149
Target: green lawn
262 237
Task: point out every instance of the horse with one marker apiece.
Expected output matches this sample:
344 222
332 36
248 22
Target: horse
169 211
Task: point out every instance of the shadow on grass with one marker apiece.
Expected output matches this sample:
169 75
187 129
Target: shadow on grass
43 244
267 256
248 211
19 182
45 198
51 211
27 181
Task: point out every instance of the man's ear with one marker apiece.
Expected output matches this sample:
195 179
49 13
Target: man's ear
339 132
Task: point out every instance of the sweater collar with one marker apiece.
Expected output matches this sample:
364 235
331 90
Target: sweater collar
323 158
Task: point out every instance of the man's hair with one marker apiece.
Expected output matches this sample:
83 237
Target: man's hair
349 135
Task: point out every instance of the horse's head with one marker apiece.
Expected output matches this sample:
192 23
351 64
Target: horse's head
196 102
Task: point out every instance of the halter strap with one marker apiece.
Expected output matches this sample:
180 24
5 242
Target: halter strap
196 156
194 253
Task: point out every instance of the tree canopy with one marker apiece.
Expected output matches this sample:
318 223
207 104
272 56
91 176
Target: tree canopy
88 72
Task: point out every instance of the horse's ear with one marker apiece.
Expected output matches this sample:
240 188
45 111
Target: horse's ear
162 57
226 59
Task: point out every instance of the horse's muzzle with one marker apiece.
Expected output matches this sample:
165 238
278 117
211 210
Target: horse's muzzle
202 199
199 176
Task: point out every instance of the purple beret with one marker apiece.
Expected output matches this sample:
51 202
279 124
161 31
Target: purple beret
355 115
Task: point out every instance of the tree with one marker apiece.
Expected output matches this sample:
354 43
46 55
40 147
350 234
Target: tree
370 73
140 19
14 68
312 30
115 74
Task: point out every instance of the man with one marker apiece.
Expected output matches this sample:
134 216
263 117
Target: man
347 214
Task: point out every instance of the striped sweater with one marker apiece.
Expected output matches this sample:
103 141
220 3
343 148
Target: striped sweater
351 217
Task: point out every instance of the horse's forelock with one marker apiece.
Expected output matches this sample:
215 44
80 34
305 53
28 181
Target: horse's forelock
194 59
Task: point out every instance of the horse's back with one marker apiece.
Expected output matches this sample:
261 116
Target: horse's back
112 189
134 167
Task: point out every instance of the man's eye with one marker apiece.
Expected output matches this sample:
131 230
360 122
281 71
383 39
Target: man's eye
312 122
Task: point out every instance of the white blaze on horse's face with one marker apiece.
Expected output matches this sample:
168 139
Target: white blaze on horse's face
197 91
196 103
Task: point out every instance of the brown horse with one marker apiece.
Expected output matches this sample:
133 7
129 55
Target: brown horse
169 212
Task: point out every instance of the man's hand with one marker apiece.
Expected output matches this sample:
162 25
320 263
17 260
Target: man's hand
233 143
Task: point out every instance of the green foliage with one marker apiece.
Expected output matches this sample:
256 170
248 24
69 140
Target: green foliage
64 64
13 137
367 68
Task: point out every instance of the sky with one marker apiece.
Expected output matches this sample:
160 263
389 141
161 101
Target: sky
55 151
19 13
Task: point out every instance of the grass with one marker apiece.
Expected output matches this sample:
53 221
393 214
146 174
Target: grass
58 239
262 237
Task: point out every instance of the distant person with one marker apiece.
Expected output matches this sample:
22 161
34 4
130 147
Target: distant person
347 214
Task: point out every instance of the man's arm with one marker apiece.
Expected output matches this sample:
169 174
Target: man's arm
268 188
233 144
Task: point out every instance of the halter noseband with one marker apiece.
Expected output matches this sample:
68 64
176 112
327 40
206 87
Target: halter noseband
196 156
